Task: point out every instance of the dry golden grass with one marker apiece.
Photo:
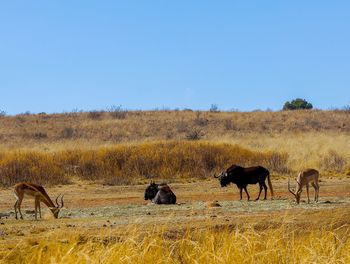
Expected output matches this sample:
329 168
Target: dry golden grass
124 147
329 152
135 233
252 242
129 163
43 130
130 147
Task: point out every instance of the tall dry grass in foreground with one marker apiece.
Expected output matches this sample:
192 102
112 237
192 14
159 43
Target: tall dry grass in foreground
285 244
126 163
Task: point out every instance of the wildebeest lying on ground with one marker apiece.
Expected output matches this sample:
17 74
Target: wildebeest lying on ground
244 176
160 194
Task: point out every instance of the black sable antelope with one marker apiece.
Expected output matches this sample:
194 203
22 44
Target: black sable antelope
244 176
160 194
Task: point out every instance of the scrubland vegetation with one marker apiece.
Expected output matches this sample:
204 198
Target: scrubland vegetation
98 128
123 164
121 147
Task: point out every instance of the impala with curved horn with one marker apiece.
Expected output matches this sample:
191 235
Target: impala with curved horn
303 179
39 194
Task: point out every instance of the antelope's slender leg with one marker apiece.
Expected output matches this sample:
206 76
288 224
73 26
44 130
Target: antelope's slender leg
19 202
317 189
16 207
36 207
307 192
240 193
39 208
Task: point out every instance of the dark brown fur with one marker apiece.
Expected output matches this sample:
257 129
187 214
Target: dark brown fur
160 194
244 176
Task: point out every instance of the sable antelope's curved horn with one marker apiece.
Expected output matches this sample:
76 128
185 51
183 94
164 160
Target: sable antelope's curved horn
57 200
62 203
216 176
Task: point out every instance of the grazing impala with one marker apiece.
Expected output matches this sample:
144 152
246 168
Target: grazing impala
303 179
39 194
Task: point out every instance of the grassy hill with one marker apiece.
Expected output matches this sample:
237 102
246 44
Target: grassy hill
122 126
78 144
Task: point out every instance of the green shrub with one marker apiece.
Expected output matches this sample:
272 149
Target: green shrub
297 104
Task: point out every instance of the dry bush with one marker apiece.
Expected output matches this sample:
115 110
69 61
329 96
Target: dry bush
200 121
333 162
67 132
117 112
125 164
181 126
30 167
40 135
95 115
277 162
229 124
194 134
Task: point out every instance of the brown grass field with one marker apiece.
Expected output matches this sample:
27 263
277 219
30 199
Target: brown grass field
113 224
102 162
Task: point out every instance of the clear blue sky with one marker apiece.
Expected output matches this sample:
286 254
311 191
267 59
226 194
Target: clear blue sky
59 55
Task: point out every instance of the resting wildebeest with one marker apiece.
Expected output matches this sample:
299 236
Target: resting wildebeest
160 194
244 176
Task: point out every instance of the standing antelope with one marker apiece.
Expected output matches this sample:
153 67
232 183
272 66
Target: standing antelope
39 194
303 179
243 176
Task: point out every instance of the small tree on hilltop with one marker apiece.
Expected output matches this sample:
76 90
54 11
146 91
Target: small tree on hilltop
297 104
214 108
